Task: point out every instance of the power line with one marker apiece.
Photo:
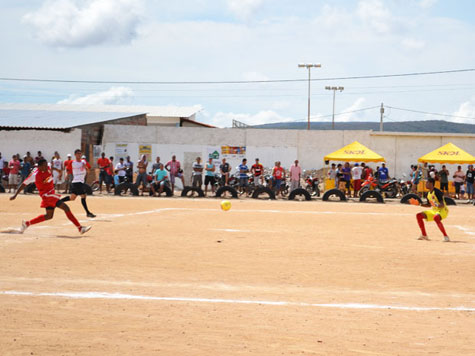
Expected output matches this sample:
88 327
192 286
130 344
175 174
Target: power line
431 113
237 81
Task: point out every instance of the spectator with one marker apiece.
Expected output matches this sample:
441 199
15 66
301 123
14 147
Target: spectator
6 173
416 177
209 175
13 176
459 178
367 171
57 168
160 179
444 180
243 179
38 157
29 159
338 176
129 170
110 172
156 165
346 171
175 170
356 173
225 170
69 173
142 165
278 175
332 173
25 169
121 169
383 173
295 175
469 179
197 175
257 171
425 171
104 168
2 161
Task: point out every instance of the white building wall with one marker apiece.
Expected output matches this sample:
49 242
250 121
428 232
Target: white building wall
309 147
21 141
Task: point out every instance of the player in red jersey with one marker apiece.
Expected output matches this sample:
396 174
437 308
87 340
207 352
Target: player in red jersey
43 179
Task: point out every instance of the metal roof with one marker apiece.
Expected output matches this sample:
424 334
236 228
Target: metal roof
158 111
48 119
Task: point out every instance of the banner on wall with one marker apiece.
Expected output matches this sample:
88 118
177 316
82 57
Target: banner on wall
145 150
233 155
120 151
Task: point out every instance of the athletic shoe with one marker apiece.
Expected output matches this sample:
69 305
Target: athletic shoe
446 239
84 229
23 227
90 215
422 237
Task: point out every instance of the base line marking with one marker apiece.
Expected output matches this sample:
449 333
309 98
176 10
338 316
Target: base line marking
120 296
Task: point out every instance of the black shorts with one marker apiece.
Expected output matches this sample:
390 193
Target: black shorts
209 180
78 188
444 187
347 184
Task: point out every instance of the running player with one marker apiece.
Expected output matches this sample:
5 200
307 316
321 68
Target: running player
43 179
80 168
438 212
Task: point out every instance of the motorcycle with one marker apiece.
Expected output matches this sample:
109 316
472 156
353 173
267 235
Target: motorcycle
312 185
390 188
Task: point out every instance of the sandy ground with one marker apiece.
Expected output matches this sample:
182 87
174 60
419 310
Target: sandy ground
181 277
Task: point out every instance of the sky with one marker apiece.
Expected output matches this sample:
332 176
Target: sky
245 40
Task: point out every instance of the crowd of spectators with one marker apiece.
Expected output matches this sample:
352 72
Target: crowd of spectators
155 176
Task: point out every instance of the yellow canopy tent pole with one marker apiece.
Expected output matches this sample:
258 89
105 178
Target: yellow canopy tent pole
354 152
448 154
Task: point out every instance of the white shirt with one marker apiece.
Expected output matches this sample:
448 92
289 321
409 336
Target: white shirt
119 167
58 164
1 163
356 172
79 171
197 165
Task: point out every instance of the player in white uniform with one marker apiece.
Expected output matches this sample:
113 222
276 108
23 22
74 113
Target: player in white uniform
80 169
57 168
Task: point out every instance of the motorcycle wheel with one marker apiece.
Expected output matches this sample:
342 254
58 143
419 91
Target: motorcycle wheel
362 191
391 192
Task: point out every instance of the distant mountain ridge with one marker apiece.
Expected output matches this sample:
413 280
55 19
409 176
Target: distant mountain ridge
438 126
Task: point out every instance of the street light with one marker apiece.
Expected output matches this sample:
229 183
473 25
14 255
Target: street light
308 66
334 91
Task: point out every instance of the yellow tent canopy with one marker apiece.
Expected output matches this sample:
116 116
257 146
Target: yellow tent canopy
354 152
449 154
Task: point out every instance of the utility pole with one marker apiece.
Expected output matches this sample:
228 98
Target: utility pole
308 66
334 92
381 120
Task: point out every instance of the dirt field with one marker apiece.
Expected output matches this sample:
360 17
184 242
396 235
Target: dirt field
181 277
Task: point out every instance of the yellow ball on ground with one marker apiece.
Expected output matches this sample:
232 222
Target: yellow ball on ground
225 205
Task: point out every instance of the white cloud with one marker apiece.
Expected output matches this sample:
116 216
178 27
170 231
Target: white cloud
254 76
73 23
349 116
223 119
466 110
425 4
115 95
244 8
374 14
411 43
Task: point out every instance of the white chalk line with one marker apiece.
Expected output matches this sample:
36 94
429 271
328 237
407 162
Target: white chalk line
120 296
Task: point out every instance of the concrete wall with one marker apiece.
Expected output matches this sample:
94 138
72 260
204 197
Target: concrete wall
21 141
309 147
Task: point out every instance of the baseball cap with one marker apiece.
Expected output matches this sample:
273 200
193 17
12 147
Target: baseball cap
356 164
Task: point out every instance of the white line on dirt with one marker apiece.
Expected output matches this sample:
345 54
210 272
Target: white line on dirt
120 296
